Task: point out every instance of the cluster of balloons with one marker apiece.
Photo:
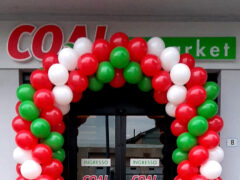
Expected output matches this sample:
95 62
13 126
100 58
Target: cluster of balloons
174 79
39 127
196 126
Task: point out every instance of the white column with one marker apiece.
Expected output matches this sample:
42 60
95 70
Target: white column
9 81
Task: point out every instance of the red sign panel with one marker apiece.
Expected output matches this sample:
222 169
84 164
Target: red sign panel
38 36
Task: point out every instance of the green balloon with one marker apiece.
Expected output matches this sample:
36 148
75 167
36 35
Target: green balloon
40 128
28 110
145 84
59 154
208 109
69 45
197 126
105 72
186 142
94 84
133 73
178 156
119 57
25 92
55 141
212 90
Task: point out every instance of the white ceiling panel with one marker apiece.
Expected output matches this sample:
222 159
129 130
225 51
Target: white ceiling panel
158 8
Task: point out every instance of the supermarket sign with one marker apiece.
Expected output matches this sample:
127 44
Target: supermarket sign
202 48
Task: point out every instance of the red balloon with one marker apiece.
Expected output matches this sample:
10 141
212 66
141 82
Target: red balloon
54 169
18 169
160 97
60 127
198 77
196 95
209 140
42 154
49 59
17 107
177 128
198 177
77 82
53 116
19 124
118 80
119 39
45 177
21 178
198 155
137 48
87 64
184 113
76 96
161 81
39 80
25 140
215 123
44 99
178 178
150 65
187 59
186 170
219 178
60 178
101 50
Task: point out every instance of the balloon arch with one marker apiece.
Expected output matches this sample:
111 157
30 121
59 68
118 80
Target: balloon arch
174 79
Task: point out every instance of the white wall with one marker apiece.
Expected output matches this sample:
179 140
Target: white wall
230 112
9 81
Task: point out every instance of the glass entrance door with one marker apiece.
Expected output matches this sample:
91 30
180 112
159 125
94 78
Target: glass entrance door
96 147
119 147
122 147
122 130
144 148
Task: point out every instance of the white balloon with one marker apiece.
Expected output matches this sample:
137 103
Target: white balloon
30 169
21 155
58 74
82 45
63 95
170 109
169 57
176 94
216 154
68 57
63 108
180 74
211 169
155 46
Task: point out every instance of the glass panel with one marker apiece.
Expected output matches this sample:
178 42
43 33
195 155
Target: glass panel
144 148
92 147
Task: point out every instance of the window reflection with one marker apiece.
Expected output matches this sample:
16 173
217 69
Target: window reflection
92 144
143 138
137 125
93 132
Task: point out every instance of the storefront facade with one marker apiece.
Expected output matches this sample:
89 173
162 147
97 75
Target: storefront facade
222 60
